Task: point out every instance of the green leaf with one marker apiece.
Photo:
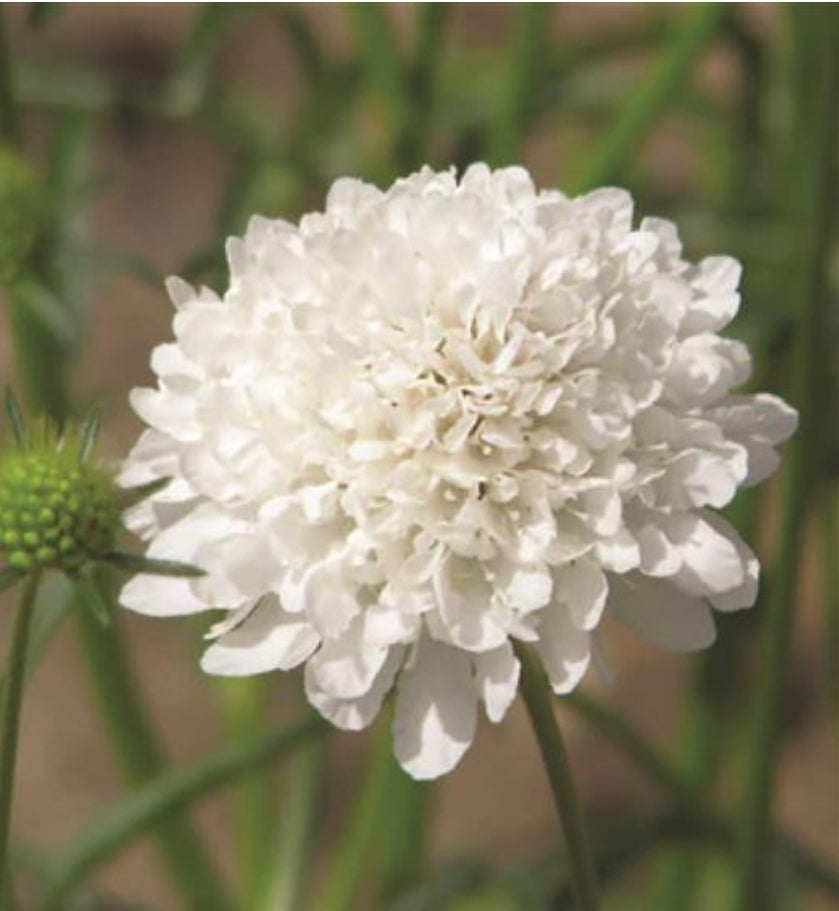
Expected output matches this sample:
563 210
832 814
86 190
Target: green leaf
9 576
667 77
90 433
135 815
93 598
15 416
137 564
131 496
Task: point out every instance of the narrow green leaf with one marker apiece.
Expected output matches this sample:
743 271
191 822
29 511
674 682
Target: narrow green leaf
383 65
520 94
653 95
9 576
137 564
136 814
131 496
15 416
90 433
92 598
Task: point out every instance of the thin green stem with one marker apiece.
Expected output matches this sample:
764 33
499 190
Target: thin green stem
135 745
243 707
539 701
812 188
10 720
353 855
9 119
297 833
655 93
405 849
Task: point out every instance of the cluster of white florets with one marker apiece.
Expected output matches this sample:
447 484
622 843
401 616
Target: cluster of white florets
434 420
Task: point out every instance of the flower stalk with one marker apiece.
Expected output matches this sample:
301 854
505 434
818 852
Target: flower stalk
539 702
11 711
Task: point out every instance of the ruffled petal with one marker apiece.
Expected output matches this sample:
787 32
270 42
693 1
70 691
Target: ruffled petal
657 610
269 639
436 711
497 680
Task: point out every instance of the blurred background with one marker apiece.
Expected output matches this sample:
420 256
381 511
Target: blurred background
157 129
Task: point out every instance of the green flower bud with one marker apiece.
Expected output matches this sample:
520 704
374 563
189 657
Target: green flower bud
23 213
57 511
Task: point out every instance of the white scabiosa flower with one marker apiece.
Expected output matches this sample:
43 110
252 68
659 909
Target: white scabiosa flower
433 420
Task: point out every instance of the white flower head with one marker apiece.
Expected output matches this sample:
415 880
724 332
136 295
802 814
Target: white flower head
439 418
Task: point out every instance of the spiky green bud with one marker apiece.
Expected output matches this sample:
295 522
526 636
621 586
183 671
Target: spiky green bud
23 213
55 509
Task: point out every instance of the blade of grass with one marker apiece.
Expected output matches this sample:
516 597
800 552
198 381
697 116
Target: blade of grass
811 183
159 800
657 90
525 65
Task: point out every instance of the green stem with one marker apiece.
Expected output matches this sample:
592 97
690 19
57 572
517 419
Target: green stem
9 119
680 791
654 95
539 701
10 720
812 189
134 742
297 832
243 704
352 859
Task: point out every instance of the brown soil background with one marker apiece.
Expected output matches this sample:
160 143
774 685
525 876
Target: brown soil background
159 201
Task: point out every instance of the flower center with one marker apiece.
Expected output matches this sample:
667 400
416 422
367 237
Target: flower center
55 512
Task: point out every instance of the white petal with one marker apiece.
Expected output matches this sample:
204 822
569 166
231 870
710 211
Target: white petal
524 588
345 667
745 594
269 639
436 711
661 613
355 714
711 564
463 596
497 680
582 588
565 649
160 596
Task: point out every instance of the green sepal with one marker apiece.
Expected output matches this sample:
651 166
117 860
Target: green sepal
90 433
93 598
15 416
131 496
137 564
9 576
